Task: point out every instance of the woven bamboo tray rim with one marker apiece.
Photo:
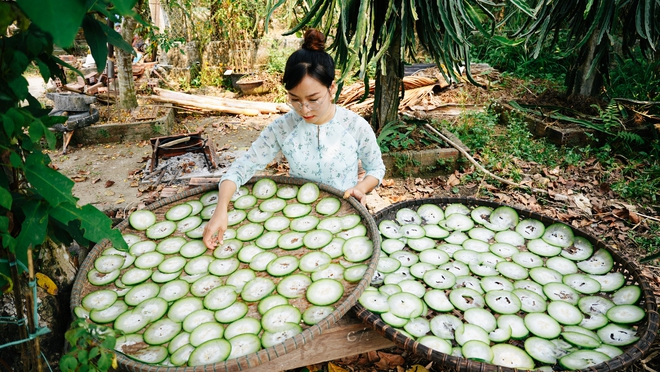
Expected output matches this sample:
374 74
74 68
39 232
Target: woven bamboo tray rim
647 328
82 286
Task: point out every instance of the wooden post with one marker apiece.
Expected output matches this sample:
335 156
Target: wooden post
20 314
31 303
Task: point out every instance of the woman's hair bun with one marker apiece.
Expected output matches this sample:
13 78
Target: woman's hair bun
314 40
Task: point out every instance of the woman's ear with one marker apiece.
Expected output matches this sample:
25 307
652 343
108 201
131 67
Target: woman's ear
333 89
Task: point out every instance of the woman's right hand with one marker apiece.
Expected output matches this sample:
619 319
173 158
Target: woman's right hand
217 225
215 228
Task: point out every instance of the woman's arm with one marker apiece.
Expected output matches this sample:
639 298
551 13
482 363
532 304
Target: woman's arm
217 225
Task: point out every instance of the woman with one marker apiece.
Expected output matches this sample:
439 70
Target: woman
321 141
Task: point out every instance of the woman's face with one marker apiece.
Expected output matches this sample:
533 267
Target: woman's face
313 100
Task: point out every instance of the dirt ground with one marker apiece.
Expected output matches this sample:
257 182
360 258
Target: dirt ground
108 176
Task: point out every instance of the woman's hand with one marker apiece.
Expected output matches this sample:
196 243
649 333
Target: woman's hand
215 228
357 194
361 190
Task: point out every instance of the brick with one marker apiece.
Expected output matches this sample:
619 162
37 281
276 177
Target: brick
93 89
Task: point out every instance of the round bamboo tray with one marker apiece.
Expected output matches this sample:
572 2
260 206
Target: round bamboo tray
352 291
647 328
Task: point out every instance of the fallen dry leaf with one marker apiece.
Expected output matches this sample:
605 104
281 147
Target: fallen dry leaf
45 282
453 181
135 184
417 368
79 179
119 201
503 197
335 368
95 180
109 183
109 193
388 361
634 218
84 173
387 182
583 203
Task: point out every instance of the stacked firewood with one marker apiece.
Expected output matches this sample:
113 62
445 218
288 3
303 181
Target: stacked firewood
419 94
211 104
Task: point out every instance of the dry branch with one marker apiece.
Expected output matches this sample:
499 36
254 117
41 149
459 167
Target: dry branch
207 106
207 102
479 166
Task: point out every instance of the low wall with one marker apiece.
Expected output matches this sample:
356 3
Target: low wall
126 132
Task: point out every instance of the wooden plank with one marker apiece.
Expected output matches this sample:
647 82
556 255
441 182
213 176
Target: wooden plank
198 181
347 338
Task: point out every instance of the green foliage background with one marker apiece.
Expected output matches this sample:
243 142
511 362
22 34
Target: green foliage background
36 201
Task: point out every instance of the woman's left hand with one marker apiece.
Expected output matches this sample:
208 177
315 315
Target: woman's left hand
357 193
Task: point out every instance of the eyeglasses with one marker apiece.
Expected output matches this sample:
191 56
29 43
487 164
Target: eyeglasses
311 105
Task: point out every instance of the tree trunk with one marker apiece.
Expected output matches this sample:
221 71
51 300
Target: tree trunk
127 97
388 85
578 80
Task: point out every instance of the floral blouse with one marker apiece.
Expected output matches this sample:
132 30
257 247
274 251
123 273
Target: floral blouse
326 153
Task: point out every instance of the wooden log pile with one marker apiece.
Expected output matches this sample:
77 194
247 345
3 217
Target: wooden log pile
421 91
211 104
419 94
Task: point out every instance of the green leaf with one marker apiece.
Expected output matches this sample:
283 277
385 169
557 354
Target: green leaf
5 198
43 69
19 63
6 284
36 131
93 353
19 85
4 223
35 44
33 229
15 160
124 7
51 184
9 242
522 5
7 16
506 41
60 62
115 39
60 18
96 224
8 125
109 342
105 361
97 40
50 138
82 356
68 363
17 116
